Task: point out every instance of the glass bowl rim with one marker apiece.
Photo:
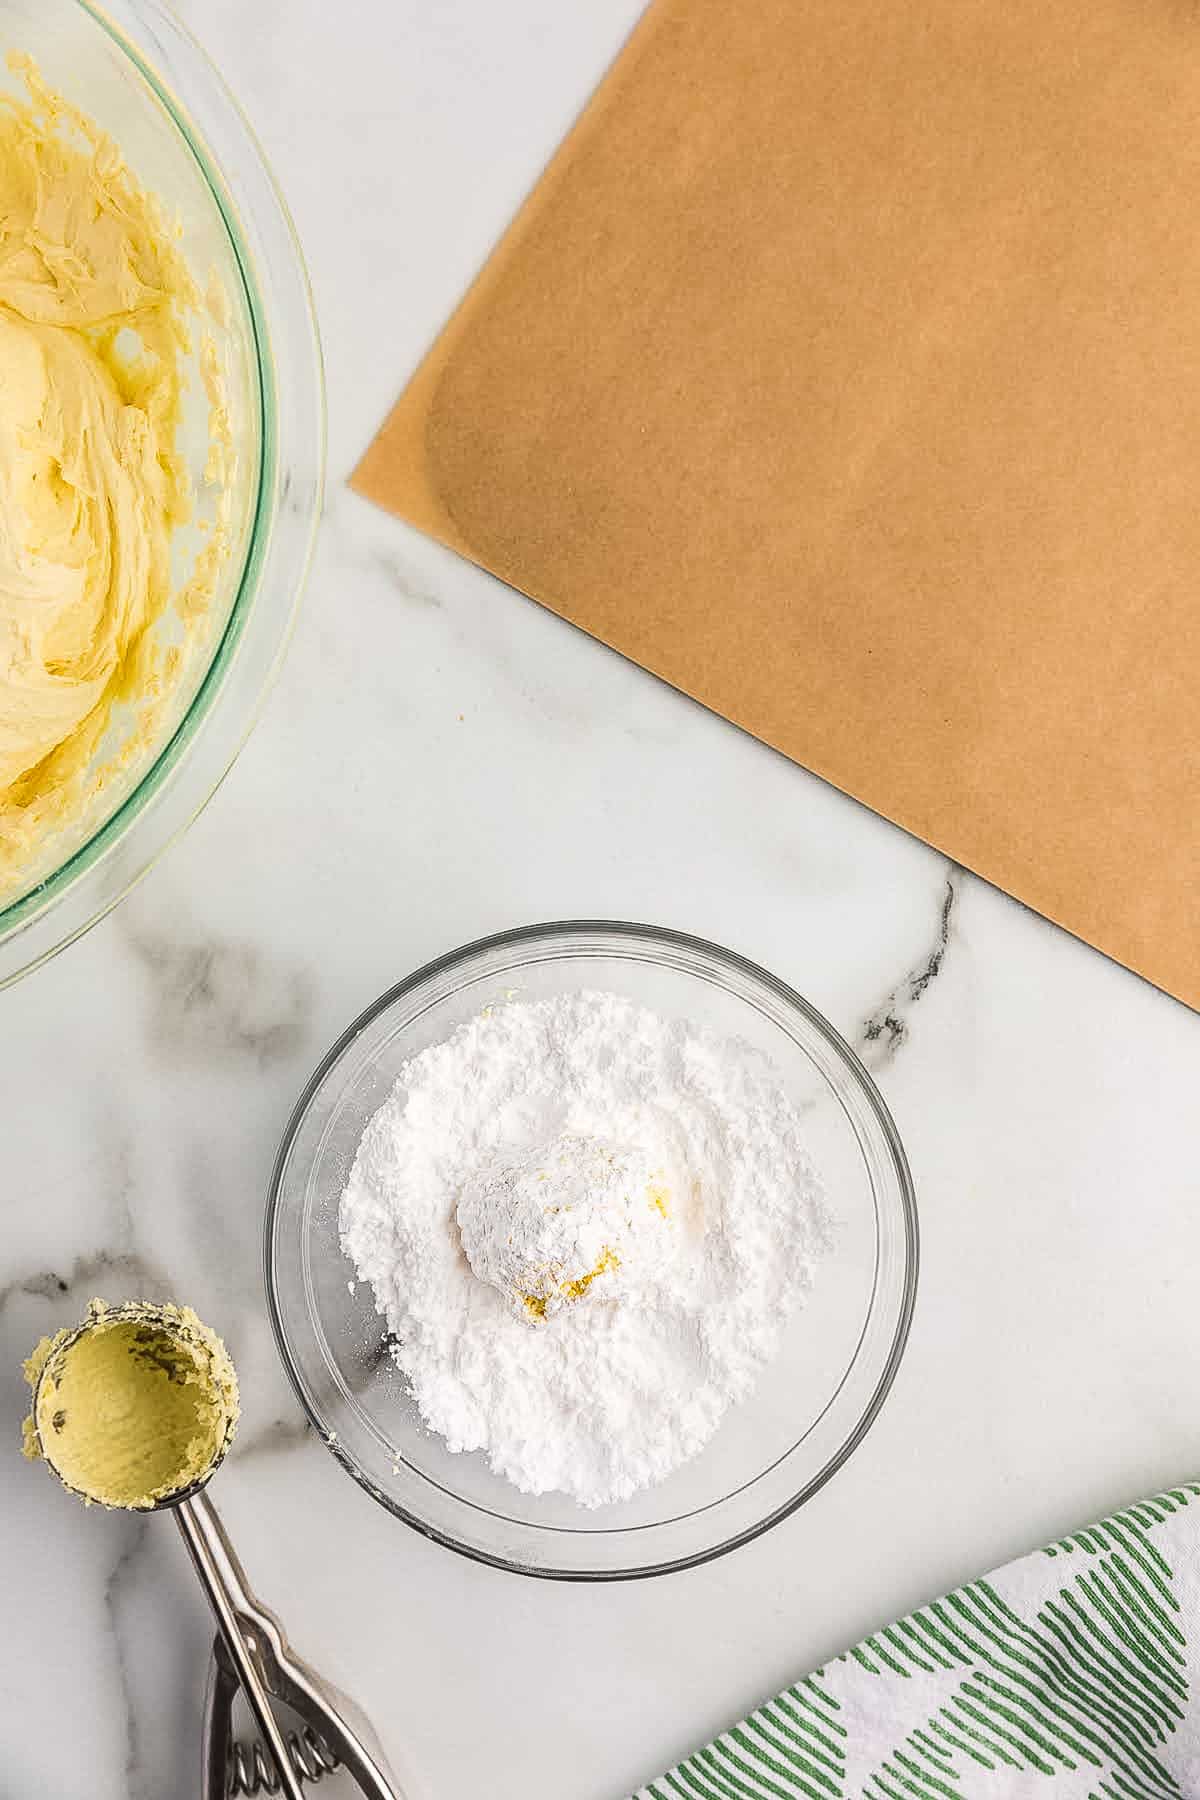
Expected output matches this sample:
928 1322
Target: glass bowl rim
665 937
31 907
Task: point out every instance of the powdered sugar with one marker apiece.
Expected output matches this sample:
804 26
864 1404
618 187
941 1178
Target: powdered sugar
586 1227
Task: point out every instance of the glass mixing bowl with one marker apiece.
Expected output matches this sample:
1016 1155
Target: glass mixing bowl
813 1403
132 68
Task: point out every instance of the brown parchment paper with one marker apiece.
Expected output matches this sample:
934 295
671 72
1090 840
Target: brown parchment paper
844 370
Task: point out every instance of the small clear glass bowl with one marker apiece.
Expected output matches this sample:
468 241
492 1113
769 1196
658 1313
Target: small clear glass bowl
131 67
813 1403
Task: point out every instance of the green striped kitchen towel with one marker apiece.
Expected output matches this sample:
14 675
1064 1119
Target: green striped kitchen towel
1064 1674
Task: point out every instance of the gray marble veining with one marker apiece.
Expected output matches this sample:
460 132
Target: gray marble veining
215 999
121 1577
886 1028
442 759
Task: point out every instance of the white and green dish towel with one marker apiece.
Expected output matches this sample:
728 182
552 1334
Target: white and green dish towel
1065 1674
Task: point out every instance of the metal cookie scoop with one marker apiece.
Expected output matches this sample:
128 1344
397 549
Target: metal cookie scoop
135 1409
322 1738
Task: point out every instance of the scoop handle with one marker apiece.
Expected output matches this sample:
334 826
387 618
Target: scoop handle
220 1578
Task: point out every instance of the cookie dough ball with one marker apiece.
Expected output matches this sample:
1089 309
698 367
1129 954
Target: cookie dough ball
568 1221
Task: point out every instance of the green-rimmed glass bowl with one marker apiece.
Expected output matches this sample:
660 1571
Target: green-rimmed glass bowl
133 68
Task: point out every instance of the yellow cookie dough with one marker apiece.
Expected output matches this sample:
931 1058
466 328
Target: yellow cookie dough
133 1406
94 304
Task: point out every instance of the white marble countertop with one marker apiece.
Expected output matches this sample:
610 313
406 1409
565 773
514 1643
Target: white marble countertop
481 765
